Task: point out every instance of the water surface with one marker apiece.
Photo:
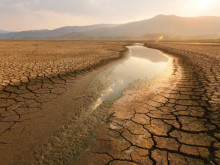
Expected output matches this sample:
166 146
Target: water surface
141 64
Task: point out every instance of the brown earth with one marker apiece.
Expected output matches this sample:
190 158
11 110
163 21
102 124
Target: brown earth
40 85
176 124
173 122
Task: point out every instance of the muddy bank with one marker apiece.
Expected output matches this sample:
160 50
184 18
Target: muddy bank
33 107
183 111
123 138
71 143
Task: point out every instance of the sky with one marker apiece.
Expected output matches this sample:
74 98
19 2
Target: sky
18 15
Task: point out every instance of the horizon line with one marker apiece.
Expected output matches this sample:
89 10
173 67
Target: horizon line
106 23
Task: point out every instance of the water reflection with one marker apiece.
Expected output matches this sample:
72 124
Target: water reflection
149 54
143 64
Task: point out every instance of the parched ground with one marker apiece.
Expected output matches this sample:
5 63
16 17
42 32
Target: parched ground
22 61
32 75
176 124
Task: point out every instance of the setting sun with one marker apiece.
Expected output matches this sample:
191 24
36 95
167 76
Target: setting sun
202 4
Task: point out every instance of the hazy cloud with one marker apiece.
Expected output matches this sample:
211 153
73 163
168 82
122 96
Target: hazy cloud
38 14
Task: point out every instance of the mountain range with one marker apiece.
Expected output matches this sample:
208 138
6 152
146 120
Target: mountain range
3 31
169 26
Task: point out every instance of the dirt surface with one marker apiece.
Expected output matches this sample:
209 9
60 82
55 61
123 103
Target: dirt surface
171 121
175 123
22 61
41 83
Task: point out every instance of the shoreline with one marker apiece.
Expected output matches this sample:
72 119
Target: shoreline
120 111
101 113
43 120
184 114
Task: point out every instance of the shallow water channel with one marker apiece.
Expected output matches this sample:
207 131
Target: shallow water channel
104 85
142 63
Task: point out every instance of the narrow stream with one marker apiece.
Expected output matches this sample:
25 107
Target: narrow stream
142 63
78 132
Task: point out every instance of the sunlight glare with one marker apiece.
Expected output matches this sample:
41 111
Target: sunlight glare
159 39
202 4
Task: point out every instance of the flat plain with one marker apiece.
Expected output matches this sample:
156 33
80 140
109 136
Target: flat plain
178 123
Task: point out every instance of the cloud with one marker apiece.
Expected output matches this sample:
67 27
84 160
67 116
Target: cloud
37 14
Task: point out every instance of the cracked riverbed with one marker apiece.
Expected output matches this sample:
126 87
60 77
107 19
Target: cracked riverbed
71 143
49 119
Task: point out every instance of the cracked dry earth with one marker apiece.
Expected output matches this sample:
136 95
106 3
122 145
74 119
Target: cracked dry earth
33 76
176 124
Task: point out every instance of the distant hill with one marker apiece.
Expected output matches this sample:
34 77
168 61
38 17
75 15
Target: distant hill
169 26
160 25
3 31
50 34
